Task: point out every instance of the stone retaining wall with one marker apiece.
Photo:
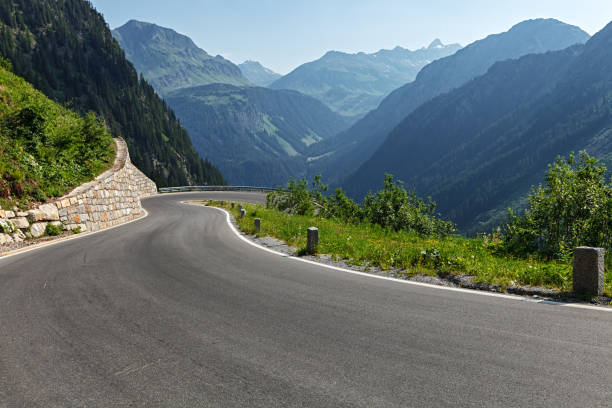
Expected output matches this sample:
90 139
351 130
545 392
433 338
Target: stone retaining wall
112 198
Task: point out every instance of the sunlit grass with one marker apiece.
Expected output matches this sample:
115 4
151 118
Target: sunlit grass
367 244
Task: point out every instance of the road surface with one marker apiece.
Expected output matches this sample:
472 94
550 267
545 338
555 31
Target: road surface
174 310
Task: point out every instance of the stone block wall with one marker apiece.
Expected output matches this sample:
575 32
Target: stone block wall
111 199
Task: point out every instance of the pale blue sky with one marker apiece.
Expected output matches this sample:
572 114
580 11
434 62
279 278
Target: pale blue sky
283 34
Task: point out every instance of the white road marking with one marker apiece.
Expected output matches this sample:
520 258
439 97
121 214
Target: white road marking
408 282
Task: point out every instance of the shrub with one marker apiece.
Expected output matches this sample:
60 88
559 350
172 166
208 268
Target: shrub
391 208
53 230
573 208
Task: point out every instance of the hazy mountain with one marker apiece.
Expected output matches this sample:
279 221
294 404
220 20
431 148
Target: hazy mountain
170 60
65 49
257 136
353 84
479 149
257 73
346 152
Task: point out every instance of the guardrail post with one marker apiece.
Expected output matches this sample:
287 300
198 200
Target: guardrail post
242 213
257 224
312 240
589 267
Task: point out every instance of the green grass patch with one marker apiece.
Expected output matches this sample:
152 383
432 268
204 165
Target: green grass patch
45 149
366 244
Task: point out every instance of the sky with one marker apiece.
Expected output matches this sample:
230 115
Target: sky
283 34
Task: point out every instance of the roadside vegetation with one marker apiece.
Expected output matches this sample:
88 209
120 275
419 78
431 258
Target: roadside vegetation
394 229
45 149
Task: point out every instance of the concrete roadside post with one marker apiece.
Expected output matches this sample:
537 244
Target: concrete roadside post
589 267
257 224
242 212
312 240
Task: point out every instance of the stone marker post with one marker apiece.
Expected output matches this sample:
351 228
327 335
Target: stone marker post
312 240
589 266
242 213
257 224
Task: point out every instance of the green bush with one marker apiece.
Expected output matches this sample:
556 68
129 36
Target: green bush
573 208
392 207
53 230
45 149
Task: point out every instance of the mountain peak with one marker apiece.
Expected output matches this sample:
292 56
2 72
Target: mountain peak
435 44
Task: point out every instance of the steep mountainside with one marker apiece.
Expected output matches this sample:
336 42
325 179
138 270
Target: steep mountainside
170 60
65 49
479 149
45 149
354 146
353 84
257 73
258 136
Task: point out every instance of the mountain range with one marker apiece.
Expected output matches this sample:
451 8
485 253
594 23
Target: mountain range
478 149
66 50
354 84
343 154
170 60
257 73
258 136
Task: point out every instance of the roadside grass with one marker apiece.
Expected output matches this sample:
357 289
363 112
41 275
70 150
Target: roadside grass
371 245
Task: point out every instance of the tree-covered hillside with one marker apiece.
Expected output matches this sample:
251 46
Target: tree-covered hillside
258 136
65 49
45 149
479 149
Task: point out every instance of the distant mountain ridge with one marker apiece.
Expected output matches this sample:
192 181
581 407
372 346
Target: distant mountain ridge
344 153
478 149
170 60
353 84
257 73
257 136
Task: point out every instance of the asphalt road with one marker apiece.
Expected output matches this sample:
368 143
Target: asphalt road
175 310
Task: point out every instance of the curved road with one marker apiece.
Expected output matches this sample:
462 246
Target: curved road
174 310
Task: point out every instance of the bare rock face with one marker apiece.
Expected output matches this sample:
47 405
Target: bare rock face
36 215
38 229
50 211
5 239
21 222
18 236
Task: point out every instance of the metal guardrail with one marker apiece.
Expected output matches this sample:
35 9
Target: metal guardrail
215 188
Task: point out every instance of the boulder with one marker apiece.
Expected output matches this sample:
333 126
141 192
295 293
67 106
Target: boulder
36 215
6 226
18 236
5 239
10 214
51 212
38 229
21 222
